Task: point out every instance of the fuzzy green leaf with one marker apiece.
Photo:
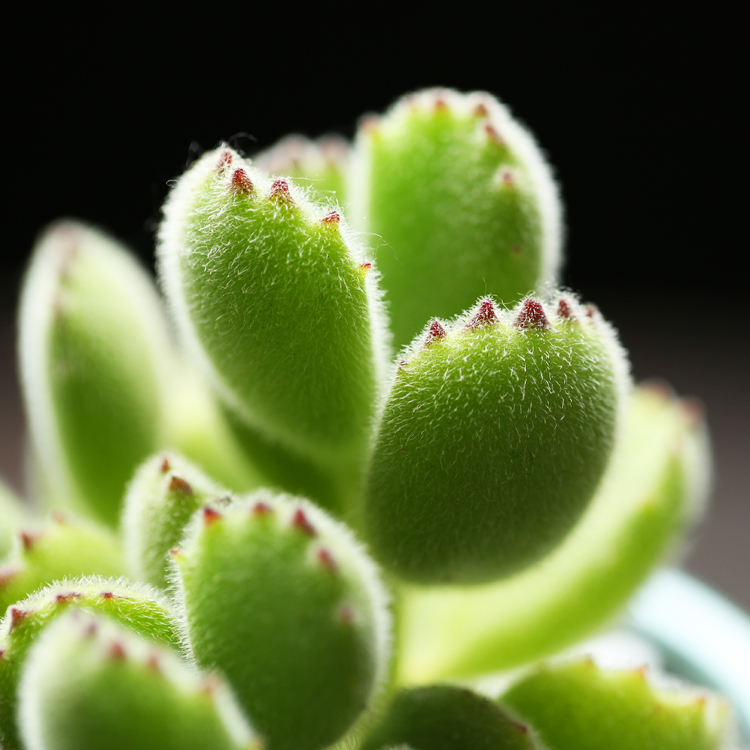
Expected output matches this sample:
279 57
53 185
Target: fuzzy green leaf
494 438
654 488
92 685
576 706
134 606
443 717
279 597
458 202
163 496
61 547
273 297
94 352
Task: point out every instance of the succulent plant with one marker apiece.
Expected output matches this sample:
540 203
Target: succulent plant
375 455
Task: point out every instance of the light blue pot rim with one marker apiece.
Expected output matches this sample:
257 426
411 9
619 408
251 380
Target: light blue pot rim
704 637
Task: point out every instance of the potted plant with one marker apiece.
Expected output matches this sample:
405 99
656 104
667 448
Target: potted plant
387 458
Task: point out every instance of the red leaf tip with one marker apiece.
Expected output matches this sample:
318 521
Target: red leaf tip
280 191
180 485
301 522
435 333
508 178
165 465
210 516
224 161
65 598
346 615
17 615
325 558
331 219
241 183
262 509
564 310
28 539
116 651
532 316
484 316
496 138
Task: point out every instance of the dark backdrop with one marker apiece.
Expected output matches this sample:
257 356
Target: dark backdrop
636 113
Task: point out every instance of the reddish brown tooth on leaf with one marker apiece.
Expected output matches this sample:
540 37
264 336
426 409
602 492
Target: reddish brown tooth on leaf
440 105
2 654
591 310
369 124
28 539
532 316
346 615
495 137
210 516
564 310
64 598
508 178
165 465
522 728
280 191
178 484
116 651
693 411
435 333
262 509
301 522
16 616
224 161
176 552
153 662
365 268
241 183
332 219
325 558
106 595
484 316
481 110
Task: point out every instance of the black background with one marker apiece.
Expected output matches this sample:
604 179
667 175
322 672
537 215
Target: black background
638 114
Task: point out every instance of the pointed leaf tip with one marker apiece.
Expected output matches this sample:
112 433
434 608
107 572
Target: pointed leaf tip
116 651
17 615
326 559
210 516
496 138
28 539
484 316
180 485
435 333
532 316
564 311
241 183
280 191
301 522
65 598
224 161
